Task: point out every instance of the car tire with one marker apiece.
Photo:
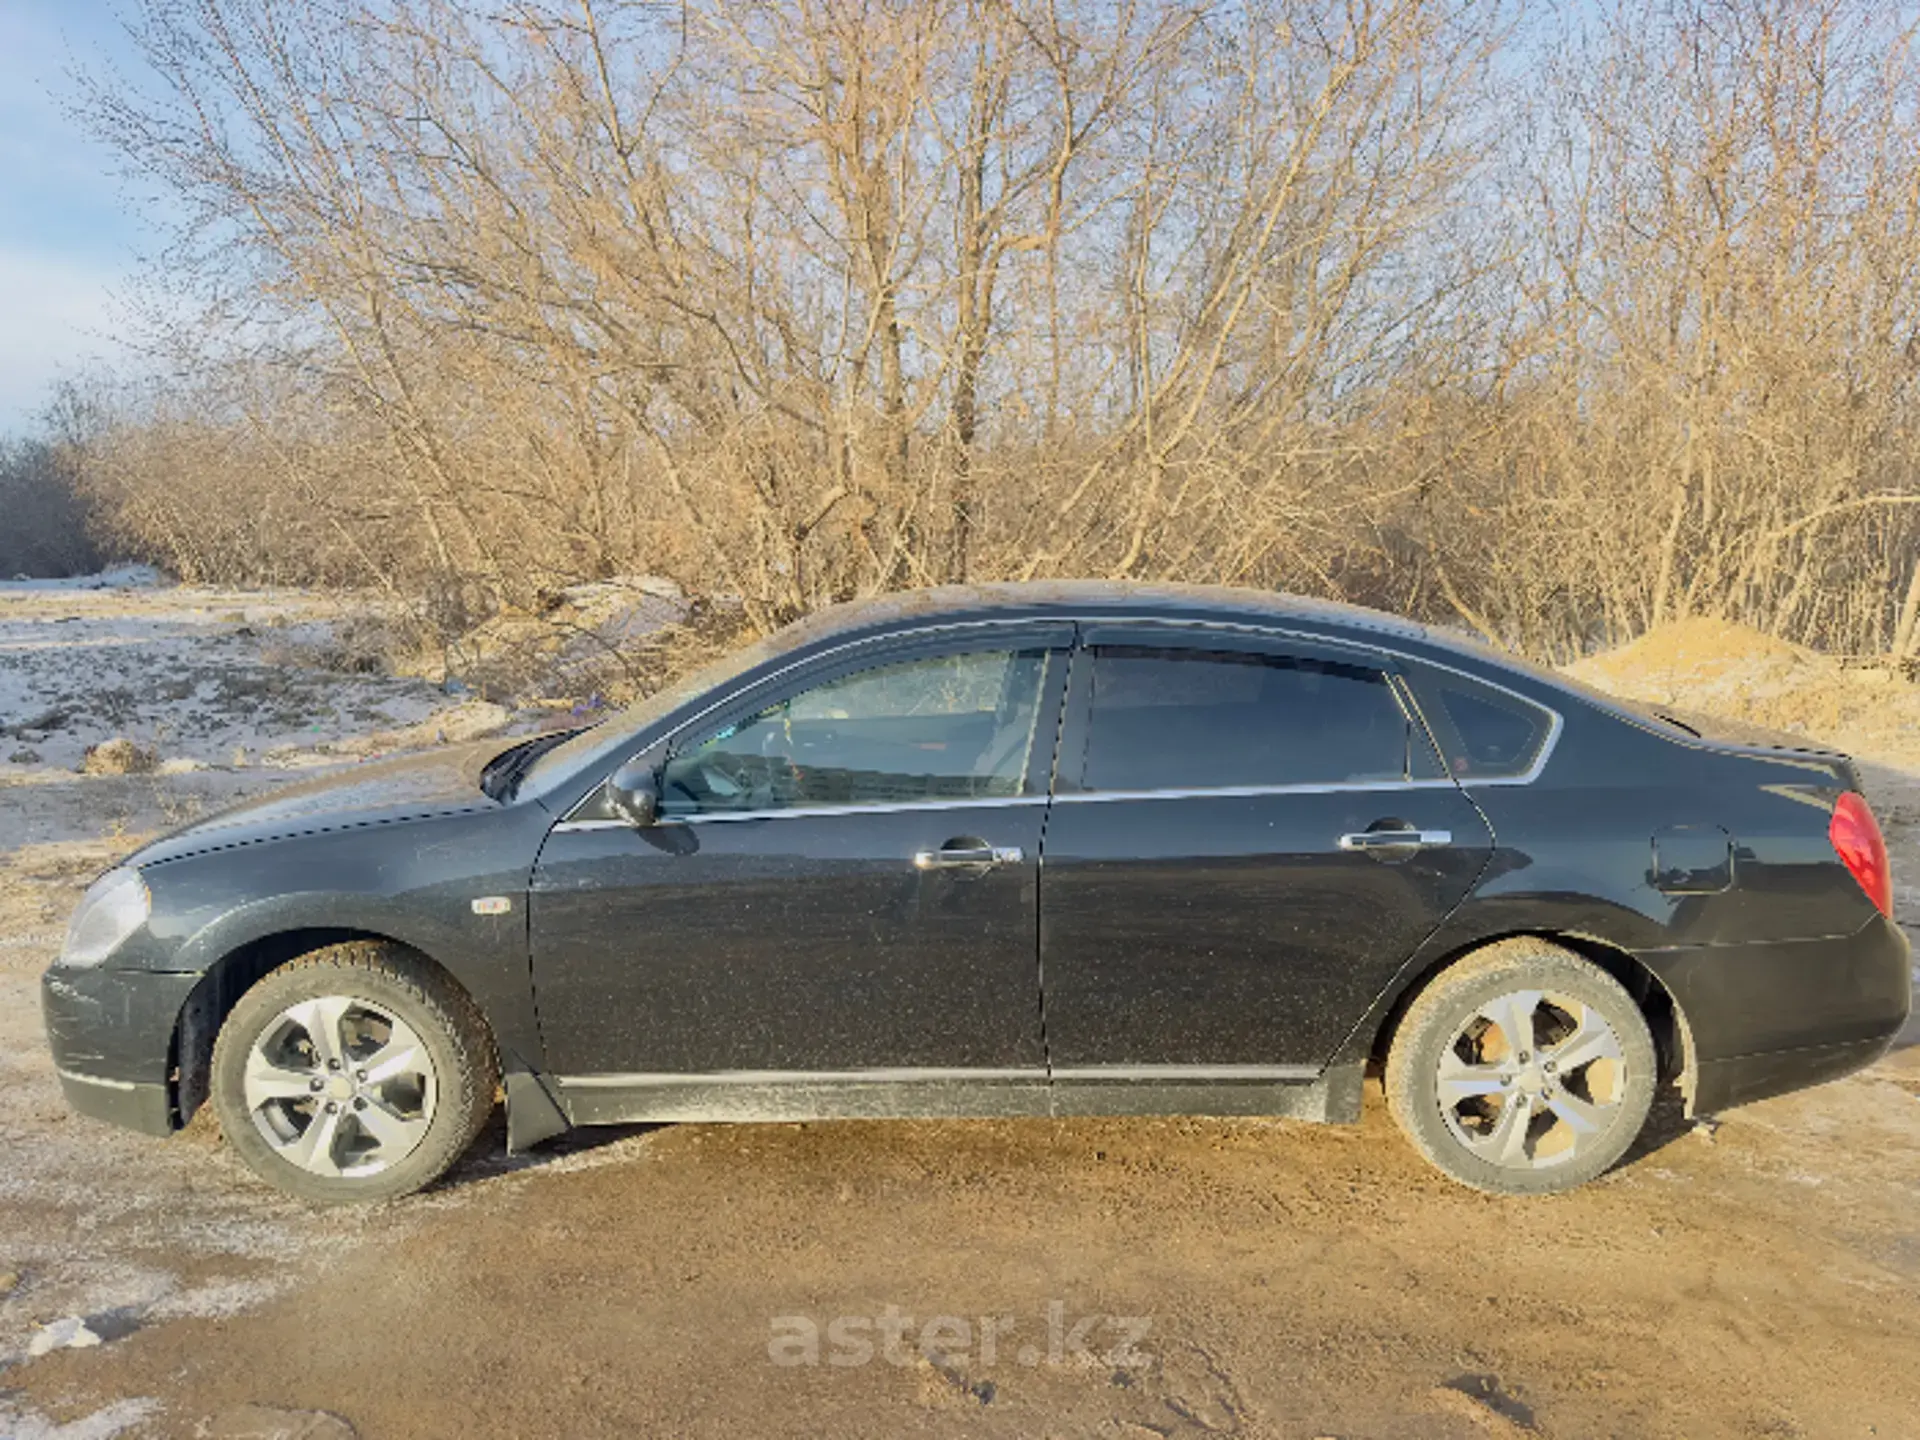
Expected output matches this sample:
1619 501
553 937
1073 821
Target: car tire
1525 1118
375 1047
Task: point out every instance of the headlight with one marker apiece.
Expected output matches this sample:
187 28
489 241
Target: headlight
116 905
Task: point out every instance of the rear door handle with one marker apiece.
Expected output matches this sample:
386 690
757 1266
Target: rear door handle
959 857
1395 839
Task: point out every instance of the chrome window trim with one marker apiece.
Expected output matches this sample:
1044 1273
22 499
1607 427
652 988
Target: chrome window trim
894 807
1555 724
1077 797
1368 648
1233 792
1072 797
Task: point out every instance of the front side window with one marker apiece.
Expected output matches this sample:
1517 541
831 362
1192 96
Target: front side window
1176 719
955 727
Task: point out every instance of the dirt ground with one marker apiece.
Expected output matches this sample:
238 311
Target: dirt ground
1109 1278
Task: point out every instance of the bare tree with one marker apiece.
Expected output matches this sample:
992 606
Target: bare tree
799 301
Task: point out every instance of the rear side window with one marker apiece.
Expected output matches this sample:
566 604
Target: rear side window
1485 734
1176 719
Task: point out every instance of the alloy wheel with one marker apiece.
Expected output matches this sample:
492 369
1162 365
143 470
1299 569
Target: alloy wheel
1531 1080
340 1087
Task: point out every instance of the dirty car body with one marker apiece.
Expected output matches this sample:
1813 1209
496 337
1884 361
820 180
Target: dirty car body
1026 850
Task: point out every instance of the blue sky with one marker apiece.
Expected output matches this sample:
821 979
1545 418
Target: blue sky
70 232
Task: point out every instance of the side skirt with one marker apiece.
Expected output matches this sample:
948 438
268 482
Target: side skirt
1329 1096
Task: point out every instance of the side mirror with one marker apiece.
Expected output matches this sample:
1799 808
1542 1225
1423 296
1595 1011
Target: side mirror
634 793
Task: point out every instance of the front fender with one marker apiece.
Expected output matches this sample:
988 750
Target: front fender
416 884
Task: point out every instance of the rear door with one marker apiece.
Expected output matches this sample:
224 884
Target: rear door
1249 837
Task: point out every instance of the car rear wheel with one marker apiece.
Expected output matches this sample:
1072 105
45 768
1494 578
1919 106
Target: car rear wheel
356 1073
1523 1069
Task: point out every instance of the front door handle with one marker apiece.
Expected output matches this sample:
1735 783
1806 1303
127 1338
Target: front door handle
1395 839
967 857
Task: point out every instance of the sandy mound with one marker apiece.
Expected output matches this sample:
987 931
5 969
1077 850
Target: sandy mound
1700 648
1726 669
469 720
586 640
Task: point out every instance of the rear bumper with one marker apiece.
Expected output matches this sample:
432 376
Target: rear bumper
1764 1019
1722 1084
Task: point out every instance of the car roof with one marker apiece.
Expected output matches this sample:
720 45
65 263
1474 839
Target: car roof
905 611
1073 599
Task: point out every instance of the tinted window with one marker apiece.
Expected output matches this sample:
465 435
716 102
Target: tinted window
1485 733
956 727
1202 719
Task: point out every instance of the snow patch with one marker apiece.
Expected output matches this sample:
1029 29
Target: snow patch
102 1424
71 1332
117 577
189 679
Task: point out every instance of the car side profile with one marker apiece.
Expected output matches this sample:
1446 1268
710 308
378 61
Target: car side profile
1065 849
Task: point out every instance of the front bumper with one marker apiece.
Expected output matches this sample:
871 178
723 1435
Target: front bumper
1767 1018
147 1108
111 1033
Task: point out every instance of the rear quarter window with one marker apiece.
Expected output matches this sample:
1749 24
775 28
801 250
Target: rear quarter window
1483 733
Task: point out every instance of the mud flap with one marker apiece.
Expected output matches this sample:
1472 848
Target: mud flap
533 1115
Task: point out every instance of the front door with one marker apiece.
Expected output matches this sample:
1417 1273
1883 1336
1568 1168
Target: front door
1249 838
842 885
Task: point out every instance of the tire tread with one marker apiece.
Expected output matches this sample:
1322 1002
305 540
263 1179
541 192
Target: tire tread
467 1094
1535 961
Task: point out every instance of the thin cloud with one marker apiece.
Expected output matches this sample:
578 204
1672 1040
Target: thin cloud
68 234
55 316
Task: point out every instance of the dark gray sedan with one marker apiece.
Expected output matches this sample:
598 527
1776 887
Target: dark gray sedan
1021 850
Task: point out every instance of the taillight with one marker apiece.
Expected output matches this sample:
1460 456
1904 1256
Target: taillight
1862 849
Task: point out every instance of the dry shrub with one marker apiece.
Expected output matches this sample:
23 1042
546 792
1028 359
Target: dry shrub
46 521
600 639
119 756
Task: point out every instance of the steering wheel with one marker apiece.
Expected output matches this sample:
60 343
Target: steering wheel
728 778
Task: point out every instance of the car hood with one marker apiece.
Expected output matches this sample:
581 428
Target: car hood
409 787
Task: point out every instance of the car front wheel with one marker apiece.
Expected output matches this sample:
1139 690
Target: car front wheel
357 1073
1522 1069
